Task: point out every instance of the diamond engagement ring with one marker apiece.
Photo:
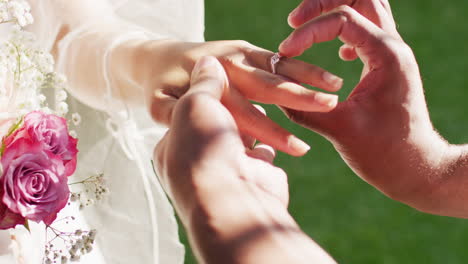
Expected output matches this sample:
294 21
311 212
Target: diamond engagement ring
274 60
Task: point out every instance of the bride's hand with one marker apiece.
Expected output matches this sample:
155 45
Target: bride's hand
168 64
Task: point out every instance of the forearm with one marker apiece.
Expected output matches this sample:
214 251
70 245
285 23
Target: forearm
100 67
257 242
422 170
449 196
94 48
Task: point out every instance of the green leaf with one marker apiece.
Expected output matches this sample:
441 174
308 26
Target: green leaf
12 130
15 127
26 225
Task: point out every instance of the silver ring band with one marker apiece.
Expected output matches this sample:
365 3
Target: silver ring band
274 61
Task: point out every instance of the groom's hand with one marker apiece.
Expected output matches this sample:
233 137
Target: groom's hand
377 11
204 148
229 196
382 130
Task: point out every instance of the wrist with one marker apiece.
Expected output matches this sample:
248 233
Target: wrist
154 57
255 236
163 67
236 226
419 166
447 192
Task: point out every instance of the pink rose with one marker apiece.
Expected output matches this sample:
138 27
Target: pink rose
8 219
34 183
51 131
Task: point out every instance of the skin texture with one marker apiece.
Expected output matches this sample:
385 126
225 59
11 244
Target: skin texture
157 72
383 130
249 78
230 198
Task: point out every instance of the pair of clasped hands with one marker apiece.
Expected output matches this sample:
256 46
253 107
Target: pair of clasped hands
231 198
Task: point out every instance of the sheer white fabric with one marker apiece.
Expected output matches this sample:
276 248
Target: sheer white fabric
136 223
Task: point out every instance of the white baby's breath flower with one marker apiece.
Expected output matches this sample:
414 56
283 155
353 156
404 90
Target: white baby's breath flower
42 98
61 79
73 134
76 119
61 95
18 11
46 110
62 108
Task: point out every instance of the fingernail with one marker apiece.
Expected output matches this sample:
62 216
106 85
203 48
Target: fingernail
332 80
297 145
328 100
202 64
260 108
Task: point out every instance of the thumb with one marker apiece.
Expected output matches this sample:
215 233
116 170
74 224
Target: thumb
208 76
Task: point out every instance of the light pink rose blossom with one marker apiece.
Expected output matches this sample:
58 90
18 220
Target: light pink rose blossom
52 132
34 183
8 219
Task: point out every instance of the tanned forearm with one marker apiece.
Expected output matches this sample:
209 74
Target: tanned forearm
425 172
449 196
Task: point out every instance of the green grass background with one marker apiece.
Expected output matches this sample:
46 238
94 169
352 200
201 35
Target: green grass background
346 216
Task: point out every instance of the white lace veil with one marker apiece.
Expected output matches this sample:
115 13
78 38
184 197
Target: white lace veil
136 223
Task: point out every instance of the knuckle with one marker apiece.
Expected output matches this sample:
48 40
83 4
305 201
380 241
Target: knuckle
344 11
240 45
192 101
295 116
398 50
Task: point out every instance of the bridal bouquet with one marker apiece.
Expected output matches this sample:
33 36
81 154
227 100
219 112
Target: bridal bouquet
38 151
37 156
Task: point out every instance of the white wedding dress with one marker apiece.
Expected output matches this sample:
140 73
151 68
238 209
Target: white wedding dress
135 223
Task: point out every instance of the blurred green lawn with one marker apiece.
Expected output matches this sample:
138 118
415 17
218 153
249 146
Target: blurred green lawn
350 219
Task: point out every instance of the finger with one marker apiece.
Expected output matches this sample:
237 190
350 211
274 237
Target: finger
297 70
160 149
352 28
159 156
199 119
263 152
309 9
163 101
324 124
265 87
348 53
208 77
249 141
377 11
254 123
161 107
